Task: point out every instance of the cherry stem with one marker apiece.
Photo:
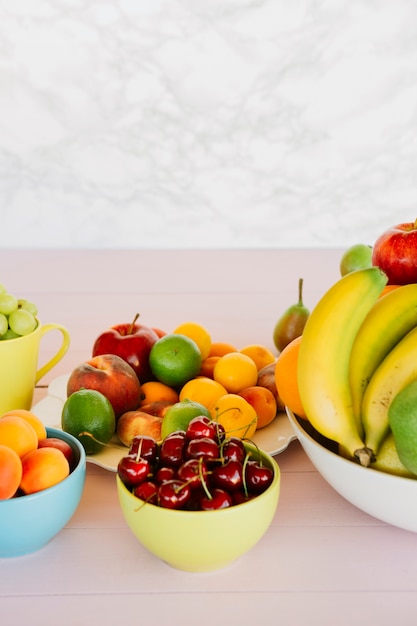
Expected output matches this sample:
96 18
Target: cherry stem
132 325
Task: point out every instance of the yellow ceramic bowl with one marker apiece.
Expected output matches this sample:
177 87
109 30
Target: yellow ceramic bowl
201 541
387 497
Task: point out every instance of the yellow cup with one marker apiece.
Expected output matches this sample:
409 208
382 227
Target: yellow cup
19 371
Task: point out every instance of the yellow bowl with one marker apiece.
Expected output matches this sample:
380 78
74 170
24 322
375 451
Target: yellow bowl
387 497
201 541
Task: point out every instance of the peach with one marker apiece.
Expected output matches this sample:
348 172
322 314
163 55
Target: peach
10 472
158 408
113 377
18 434
43 468
264 403
133 423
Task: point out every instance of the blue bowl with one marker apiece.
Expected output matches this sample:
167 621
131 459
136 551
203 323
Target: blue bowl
28 523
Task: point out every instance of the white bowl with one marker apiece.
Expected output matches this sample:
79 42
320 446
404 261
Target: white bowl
389 498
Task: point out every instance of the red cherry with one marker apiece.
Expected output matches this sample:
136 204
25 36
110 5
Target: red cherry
193 472
145 447
233 448
173 449
203 448
133 470
257 477
147 491
201 426
220 499
228 476
173 494
165 473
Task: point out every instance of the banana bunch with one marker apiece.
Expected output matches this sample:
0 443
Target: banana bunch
357 352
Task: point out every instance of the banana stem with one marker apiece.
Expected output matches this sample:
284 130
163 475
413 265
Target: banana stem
365 456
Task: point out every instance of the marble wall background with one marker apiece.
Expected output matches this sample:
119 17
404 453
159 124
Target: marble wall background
206 123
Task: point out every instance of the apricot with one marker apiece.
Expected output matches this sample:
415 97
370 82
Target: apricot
43 468
154 391
10 472
264 403
207 366
18 434
31 418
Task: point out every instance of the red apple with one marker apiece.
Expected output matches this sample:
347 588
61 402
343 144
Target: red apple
60 444
395 252
131 342
113 377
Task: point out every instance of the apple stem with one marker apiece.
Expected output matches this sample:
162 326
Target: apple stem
300 292
132 325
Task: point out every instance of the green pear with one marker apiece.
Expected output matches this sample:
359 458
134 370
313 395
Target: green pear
357 257
388 460
402 416
291 324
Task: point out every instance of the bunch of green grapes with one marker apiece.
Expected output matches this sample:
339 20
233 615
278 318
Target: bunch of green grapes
17 316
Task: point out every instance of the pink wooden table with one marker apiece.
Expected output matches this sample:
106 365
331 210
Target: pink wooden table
322 561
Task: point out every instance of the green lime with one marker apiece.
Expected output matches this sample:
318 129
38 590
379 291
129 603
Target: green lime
88 415
180 414
174 359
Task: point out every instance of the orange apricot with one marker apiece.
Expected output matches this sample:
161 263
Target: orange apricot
220 348
155 391
43 468
33 420
264 403
207 366
18 434
10 472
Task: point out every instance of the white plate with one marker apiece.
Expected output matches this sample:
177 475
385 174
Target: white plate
273 439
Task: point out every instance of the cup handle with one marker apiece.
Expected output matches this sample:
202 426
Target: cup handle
61 352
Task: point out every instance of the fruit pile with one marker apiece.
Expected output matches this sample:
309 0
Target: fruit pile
199 469
356 367
17 315
234 387
30 461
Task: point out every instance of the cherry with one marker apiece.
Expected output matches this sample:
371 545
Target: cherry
165 473
201 426
240 497
233 448
173 494
228 476
257 477
172 449
147 491
193 472
219 499
133 470
203 448
144 446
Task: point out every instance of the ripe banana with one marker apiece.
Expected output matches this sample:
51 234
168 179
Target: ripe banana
389 320
323 361
395 372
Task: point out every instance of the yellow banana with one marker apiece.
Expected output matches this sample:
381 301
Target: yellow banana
389 320
395 372
323 362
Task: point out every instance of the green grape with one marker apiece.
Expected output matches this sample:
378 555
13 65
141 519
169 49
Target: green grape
22 322
4 324
2 288
9 334
28 306
8 303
